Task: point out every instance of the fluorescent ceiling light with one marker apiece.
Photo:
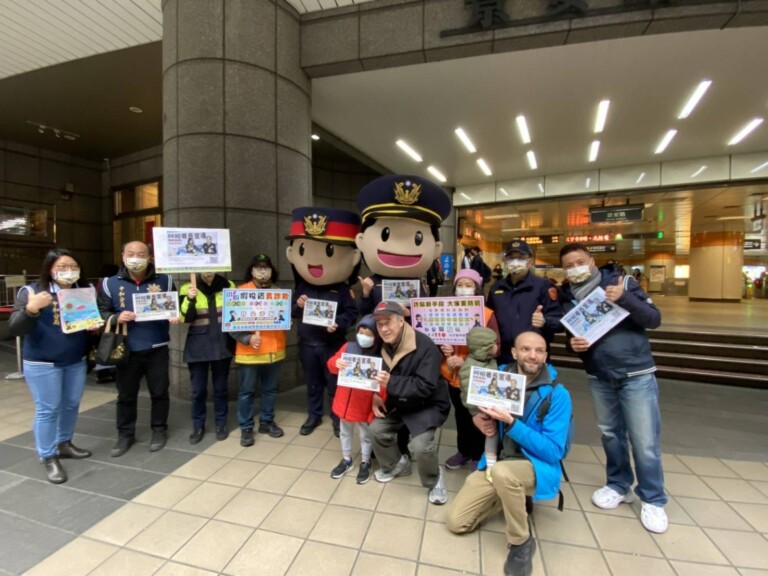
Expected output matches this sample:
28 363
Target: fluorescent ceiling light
315 137
408 150
665 141
436 173
541 188
512 229
593 150
640 178
503 191
699 171
734 218
465 195
602 114
465 140
587 182
744 132
531 159
763 165
694 99
522 128
484 167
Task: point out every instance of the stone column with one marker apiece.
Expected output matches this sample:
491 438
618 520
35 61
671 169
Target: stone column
715 266
236 127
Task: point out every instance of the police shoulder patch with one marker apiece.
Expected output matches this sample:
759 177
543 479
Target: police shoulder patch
499 292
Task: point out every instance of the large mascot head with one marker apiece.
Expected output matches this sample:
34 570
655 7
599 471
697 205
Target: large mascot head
322 249
400 235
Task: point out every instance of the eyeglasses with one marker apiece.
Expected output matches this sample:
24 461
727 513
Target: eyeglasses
67 267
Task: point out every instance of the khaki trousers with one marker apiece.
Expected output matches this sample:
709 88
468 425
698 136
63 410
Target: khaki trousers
478 499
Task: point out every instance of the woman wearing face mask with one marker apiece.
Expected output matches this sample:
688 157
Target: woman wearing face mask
54 362
207 347
259 357
470 441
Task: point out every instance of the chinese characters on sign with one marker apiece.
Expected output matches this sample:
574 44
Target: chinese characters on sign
191 250
359 372
489 388
249 310
447 320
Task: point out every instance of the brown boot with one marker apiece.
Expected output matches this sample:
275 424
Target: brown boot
54 470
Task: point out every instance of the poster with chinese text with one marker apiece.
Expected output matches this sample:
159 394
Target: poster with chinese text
360 372
150 306
319 312
489 388
257 309
447 320
401 291
593 317
180 250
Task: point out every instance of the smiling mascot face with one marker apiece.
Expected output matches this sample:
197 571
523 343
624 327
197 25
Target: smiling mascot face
322 263
399 247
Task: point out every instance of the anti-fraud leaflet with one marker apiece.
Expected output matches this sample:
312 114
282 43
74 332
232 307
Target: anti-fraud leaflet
489 388
191 250
78 309
319 312
360 372
257 309
593 317
150 306
447 320
400 290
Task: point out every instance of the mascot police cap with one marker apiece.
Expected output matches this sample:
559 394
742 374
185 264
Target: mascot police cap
403 196
331 225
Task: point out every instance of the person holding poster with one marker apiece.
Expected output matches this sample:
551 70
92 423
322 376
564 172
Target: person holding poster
147 341
620 368
259 357
469 439
352 405
207 348
324 261
54 362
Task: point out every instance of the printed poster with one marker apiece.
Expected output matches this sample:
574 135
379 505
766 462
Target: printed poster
489 388
187 250
593 317
258 309
401 291
78 309
319 312
447 320
360 372
150 306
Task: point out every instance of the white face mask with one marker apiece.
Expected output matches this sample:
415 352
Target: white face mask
364 340
261 274
464 291
578 274
67 277
136 264
517 266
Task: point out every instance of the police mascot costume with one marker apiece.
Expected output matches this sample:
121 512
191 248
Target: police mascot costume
324 260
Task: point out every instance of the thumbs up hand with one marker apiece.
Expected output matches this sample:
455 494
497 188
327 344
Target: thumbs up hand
537 320
367 284
613 293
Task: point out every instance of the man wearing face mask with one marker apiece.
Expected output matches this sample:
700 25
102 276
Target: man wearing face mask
621 369
522 301
147 341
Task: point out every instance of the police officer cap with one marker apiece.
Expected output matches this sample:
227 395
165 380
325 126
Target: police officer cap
520 246
331 225
404 196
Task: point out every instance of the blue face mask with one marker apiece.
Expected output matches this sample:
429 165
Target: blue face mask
364 340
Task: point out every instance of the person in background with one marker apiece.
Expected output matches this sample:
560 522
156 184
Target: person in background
435 278
207 348
54 362
259 357
497 273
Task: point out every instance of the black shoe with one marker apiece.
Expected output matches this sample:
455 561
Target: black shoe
364 473
520 559
246 437
221 433
309 426
122 446
271 429
196 436
159 438
54 470
341 468
69 450
336 431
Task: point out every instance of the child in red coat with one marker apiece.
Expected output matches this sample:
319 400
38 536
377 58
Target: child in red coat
353 405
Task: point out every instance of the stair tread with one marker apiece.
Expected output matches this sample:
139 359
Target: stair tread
682 370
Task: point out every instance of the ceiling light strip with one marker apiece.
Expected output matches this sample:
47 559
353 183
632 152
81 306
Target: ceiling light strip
746 131
602 115
763 165
408 150
465 140
593 150
699 171
522 129
694 99
665 141
484 167
531 159
436 173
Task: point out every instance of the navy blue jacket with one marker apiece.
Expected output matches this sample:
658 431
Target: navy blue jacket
346 313
117 296
624 351
514 305
44 340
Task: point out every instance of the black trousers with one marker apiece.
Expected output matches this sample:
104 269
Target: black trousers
198 377
152 364
470 440
318 379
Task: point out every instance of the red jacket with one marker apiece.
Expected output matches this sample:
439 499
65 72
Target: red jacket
352 404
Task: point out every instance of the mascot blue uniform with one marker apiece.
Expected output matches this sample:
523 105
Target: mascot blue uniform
324 259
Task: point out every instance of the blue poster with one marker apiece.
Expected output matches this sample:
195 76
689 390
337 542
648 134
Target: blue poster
446 262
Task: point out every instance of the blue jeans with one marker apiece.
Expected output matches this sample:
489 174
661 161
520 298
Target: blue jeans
57 392
248 375
628 410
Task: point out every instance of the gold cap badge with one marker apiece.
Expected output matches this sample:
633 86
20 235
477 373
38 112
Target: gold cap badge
407 197
315 224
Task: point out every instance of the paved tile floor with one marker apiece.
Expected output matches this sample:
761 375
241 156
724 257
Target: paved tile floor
218 508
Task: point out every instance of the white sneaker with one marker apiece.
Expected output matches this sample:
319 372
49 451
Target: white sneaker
437 494
654 518
608 499
402 468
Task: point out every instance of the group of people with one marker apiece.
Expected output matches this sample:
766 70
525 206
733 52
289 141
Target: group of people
418 382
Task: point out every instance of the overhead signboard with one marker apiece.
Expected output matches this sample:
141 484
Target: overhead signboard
601 248
545 239
608 214
753 244
584 238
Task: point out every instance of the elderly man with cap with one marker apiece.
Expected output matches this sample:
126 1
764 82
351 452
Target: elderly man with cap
415 399
522 301
324 260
